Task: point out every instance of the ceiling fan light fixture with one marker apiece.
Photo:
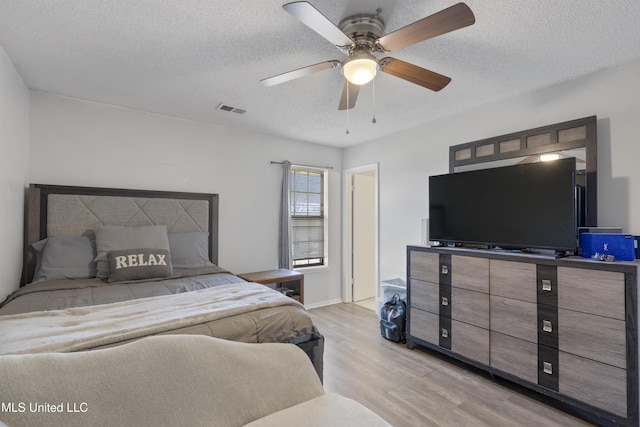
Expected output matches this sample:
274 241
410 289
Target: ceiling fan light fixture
360 36
360 69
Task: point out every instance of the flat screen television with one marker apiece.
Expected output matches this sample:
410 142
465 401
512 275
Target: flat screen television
524 206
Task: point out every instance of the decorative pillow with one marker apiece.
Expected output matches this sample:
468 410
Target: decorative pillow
65 258
189 249
117 237
136 264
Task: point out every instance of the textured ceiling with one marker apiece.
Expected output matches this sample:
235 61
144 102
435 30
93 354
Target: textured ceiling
182 58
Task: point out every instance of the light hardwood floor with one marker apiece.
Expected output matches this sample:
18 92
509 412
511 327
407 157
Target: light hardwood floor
416 388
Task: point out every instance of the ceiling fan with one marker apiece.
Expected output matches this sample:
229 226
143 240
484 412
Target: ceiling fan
361 36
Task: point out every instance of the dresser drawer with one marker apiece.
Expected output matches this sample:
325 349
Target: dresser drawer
515 280
470 341
424 266
424 325
596 337
515 318
424 295
470 307
514 356
470 273
595 383
592 291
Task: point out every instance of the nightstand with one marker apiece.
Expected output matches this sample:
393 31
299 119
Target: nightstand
284 278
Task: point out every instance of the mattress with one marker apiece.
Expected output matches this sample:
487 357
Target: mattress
84 314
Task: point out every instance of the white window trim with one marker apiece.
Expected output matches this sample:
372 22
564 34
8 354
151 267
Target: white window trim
325 197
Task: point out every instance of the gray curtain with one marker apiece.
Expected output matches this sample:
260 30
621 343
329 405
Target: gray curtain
284 241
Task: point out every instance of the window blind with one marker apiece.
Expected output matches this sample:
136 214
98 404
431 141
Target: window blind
307 216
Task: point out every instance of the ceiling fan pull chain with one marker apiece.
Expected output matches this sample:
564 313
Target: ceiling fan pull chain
373 88
347 132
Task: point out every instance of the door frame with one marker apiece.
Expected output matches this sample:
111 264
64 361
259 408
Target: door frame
347 220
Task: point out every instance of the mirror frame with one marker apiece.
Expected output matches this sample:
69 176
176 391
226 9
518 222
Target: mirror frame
570 135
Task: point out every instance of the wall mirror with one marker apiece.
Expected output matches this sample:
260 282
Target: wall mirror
575 138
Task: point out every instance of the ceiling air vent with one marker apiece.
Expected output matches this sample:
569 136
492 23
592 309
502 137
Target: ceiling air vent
231 109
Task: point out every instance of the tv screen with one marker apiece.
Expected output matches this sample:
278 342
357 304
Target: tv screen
516 207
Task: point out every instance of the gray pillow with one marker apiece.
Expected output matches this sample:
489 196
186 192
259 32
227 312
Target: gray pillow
117 237
137 264
189 249
65 258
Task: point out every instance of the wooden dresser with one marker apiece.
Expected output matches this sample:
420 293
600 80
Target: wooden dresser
566 328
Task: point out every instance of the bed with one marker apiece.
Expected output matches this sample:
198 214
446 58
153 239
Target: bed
103 267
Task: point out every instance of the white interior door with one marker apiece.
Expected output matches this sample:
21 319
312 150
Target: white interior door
363 221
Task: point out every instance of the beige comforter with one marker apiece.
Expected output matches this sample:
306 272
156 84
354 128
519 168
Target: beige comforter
246 312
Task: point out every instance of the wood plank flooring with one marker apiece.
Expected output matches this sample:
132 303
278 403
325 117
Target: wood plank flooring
417 388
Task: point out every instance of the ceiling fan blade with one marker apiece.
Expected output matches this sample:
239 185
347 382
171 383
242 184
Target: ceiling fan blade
453 18
414 74
353 96
300 72
312 18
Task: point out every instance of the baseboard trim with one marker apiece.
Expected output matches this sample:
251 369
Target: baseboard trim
323 303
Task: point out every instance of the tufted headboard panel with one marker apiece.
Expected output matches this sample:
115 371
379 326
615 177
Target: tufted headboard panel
54 211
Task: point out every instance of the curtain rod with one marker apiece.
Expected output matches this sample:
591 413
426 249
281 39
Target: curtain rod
308 166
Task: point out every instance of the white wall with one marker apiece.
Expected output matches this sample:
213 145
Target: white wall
75 142
14 165
407 159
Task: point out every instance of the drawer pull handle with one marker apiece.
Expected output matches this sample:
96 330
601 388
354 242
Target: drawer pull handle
546 285
547 326
445 301
547 368
444 269
445 333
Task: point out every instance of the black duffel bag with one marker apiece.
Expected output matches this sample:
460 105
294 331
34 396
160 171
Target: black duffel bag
393 317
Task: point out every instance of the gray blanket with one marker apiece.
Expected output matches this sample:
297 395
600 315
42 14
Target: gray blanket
83 328
61 294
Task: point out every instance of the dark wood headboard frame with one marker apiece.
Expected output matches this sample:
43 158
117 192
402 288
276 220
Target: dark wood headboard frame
36 217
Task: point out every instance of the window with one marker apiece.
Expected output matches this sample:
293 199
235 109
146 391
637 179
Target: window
308 220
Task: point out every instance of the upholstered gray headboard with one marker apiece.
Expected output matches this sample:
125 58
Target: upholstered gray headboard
54 210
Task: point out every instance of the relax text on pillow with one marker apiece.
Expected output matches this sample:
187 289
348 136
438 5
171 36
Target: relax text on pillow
139 260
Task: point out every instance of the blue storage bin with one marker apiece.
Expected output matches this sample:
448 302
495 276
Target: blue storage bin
621 246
